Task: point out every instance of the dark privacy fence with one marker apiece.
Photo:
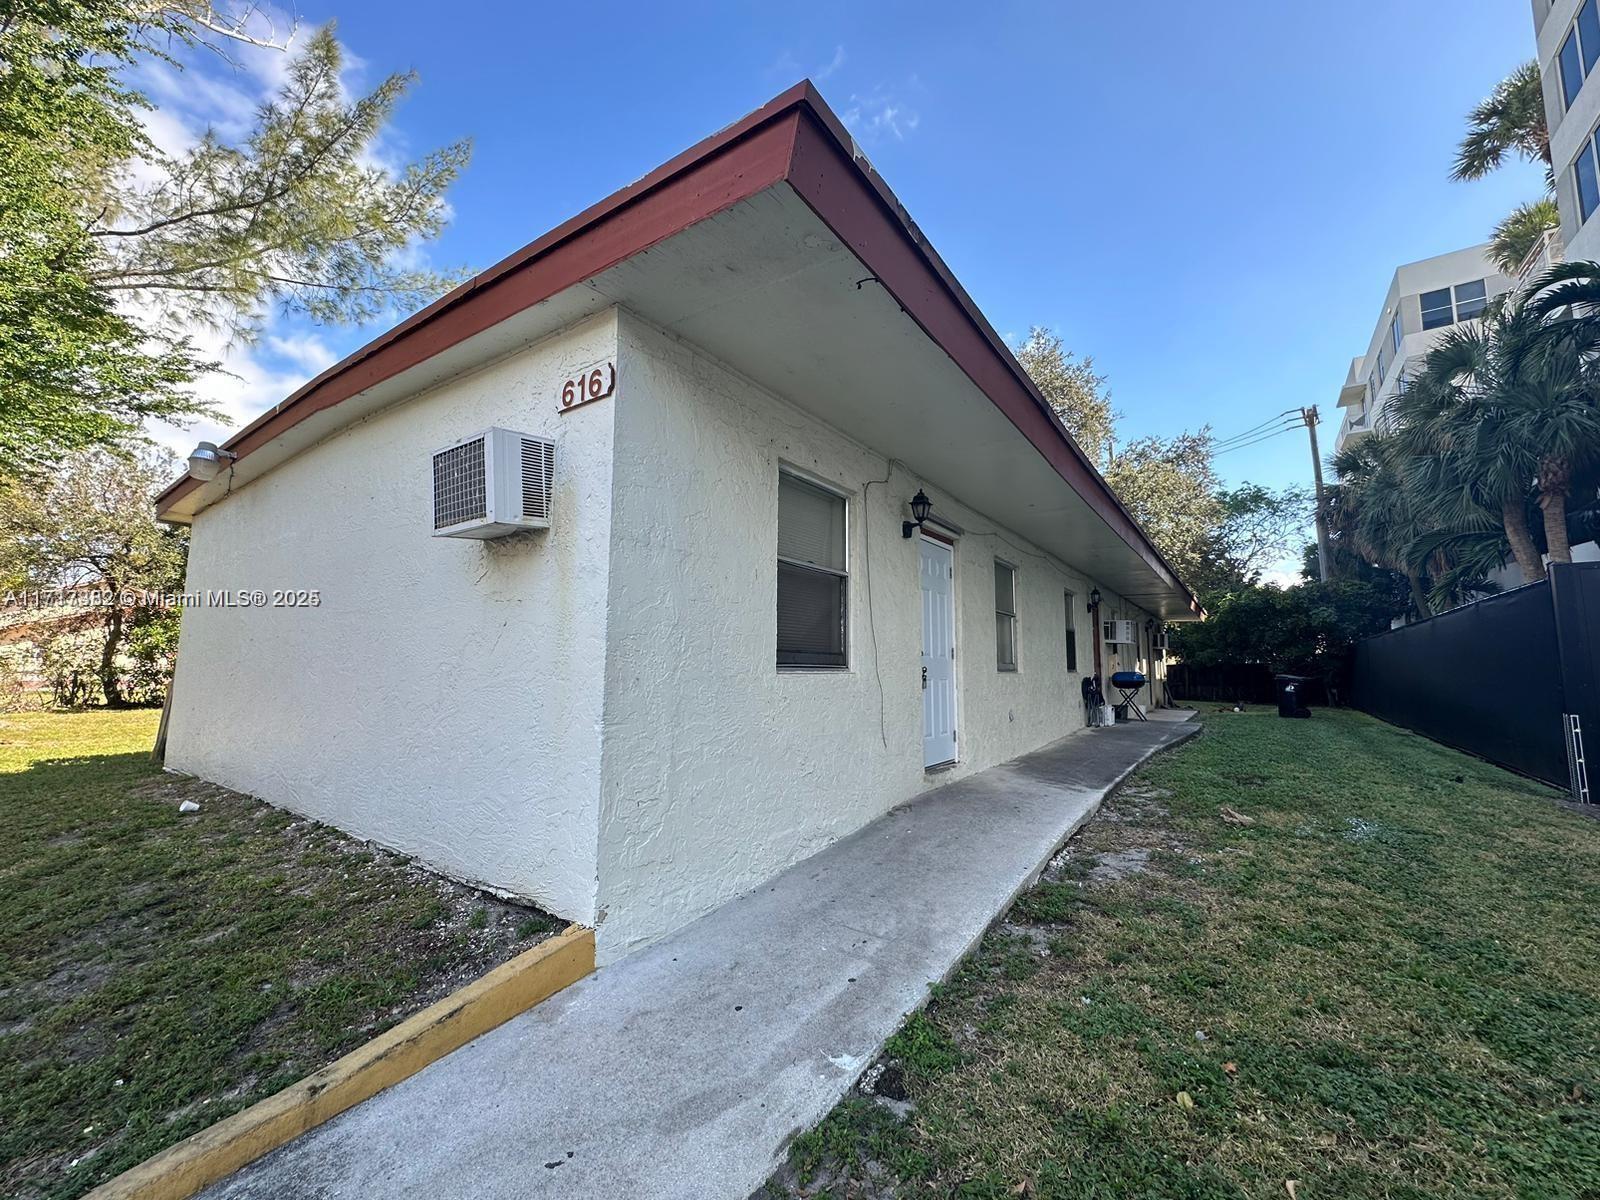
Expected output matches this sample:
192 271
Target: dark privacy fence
1514 678
1231 683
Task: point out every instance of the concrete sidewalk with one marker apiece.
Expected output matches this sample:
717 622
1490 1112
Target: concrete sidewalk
683 1070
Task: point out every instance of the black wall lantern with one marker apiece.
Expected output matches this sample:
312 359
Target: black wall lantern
1094 599
921 506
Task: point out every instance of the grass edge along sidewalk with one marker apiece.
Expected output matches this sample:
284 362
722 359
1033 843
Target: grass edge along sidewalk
1381 985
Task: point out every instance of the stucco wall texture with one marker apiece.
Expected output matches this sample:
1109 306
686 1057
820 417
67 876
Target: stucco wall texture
592 718
445 697
720 769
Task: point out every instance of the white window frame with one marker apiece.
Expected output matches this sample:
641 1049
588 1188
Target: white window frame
1000 614
821 485
1574 34
1589 147
1449 307
1455 301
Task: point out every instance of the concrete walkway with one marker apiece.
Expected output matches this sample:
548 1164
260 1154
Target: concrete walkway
684 1070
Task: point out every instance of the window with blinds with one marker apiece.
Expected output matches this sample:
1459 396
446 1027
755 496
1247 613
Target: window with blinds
1005 615
813 580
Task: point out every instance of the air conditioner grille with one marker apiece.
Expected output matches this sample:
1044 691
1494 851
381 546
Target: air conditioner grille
460 485
538 470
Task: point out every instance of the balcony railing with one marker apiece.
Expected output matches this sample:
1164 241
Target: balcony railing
1356 423
1546 253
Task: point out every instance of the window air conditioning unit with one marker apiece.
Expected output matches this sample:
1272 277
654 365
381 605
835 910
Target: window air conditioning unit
1117 632
491 484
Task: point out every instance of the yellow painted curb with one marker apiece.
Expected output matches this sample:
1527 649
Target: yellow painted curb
511 988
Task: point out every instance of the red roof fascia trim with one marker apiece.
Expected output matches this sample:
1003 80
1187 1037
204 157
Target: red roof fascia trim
857 206
727 167
769 145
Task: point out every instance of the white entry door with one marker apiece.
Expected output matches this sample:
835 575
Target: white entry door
938 653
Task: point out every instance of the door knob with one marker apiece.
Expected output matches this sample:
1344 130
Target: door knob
924 678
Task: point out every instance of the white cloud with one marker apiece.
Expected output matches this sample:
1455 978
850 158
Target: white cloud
196 99
308 352
223 94
877 113
252 378
788 67
833 66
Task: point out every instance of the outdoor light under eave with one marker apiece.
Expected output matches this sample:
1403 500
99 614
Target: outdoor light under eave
1094 598
208 461
921 506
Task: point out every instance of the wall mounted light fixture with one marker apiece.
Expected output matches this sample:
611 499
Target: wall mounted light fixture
208 461
1094 598
921 506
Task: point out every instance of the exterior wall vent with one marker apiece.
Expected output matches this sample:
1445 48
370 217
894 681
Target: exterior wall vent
493 483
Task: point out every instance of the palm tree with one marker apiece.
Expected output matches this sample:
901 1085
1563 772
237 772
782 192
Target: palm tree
1510 122
1453 423
1555 416
1371 509
1519 232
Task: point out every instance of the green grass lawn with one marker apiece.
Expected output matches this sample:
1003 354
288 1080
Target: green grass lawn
159 972
1387 986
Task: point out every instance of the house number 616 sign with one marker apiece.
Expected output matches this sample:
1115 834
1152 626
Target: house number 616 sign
587 386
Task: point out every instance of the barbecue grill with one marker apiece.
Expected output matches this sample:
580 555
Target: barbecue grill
1129 683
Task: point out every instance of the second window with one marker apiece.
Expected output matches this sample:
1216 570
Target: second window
1005 615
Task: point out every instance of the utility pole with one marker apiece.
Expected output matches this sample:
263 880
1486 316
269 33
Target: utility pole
1324 566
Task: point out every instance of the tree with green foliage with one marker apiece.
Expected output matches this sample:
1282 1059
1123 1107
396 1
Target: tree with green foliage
109 244
91 524
1492 449
1078 395
1510 123
1457 422
1371 509
1309 629
1256 528
1523 388
1514 238
1215 538
75 369
1171 487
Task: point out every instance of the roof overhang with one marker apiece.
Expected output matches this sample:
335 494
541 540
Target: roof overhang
775 246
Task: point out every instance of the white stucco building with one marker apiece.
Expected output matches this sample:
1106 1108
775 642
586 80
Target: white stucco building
1424 299
725 651
1568 41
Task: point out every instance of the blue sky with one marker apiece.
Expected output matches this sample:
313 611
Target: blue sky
1209 199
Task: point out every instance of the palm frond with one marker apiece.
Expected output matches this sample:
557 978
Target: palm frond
1509 122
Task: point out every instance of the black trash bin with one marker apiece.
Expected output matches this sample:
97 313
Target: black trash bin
1290 690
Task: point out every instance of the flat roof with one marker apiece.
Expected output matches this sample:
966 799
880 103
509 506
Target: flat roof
796 139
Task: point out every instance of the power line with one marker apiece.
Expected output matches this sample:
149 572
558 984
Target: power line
1258 439
1256 428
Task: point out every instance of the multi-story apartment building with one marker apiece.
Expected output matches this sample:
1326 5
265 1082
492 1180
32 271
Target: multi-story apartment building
1424 299
1568 36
